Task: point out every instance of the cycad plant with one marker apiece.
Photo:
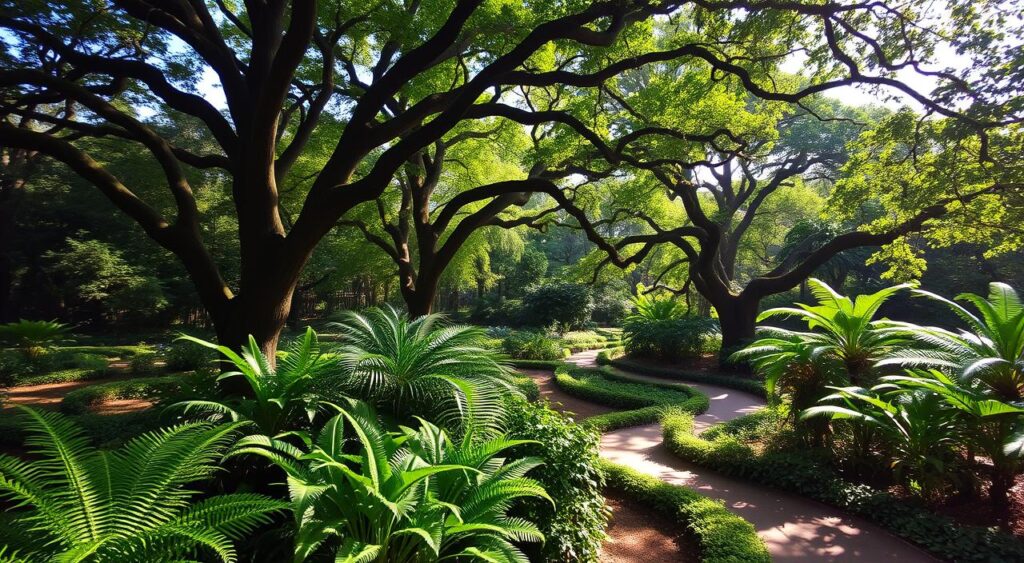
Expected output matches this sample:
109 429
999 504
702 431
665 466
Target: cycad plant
989 356
32 337
927 416
418 367
845 328
277 399
72 502
413 496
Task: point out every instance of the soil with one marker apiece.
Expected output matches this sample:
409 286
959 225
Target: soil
981 512
50 395
559 399
636 533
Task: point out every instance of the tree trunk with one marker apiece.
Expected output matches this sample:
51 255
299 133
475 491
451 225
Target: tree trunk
421 297
738 317
9 198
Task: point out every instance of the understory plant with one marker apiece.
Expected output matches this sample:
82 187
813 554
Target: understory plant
420 367
33 337
276 398
73 502
409 496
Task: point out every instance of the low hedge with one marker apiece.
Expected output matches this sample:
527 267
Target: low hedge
535 364
747 385
528 386
62 376
801 473
646 403
607 356
721 535
111 351
81 400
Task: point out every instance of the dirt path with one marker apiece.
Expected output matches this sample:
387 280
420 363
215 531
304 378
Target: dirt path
50 395
793 527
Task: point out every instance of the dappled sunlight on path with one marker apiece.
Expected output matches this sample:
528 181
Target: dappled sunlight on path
793 527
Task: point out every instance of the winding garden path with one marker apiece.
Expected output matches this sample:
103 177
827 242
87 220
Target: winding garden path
793 527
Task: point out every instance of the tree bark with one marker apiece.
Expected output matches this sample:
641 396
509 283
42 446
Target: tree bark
737 316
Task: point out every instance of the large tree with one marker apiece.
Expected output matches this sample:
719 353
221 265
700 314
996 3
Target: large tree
394 78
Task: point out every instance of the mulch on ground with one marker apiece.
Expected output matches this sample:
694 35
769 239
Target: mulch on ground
636 533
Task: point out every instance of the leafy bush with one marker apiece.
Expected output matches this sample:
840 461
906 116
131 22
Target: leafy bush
802 473
407 496
653 308
565 306
419 368
721 535
610 306
574 525
494 310
531 346
133 504
143 364
13 365
667 339
188 356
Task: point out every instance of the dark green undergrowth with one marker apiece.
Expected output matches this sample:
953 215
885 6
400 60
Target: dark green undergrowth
643 403
806 475
67 375
126 351
748 385
721 535
80 401
102 430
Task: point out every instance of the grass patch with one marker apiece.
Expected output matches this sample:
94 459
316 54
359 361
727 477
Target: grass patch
111 351
721 535
801 473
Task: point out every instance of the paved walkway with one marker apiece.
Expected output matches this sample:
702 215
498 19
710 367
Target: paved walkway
793 527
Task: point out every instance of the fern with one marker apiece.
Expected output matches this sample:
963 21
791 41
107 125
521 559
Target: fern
78 503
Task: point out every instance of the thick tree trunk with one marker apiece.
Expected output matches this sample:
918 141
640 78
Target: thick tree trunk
420 298
738 317
10 196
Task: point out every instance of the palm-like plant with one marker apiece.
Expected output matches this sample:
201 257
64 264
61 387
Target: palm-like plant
77 503
409 497
278 399
415 367
926 416
32 337
989 356
845 328
651 308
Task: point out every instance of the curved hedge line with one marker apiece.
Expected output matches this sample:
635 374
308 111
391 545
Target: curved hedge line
646 402
751 386
799 473
721 535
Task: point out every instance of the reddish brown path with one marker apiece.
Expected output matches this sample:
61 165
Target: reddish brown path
792 527
50 395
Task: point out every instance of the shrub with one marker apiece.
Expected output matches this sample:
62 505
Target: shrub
531 346
188 356
574 526
13 366
414 495
497 311
721 535
610 306
667 339
143 364
752 386
565 306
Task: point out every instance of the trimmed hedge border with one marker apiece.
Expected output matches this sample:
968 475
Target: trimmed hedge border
647 402
733 382
61 376
125 351
721 535
801 474
535 364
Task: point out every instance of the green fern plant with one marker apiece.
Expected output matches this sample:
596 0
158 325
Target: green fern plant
280 398
653 308
73 502
413 496
32 337
446 374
